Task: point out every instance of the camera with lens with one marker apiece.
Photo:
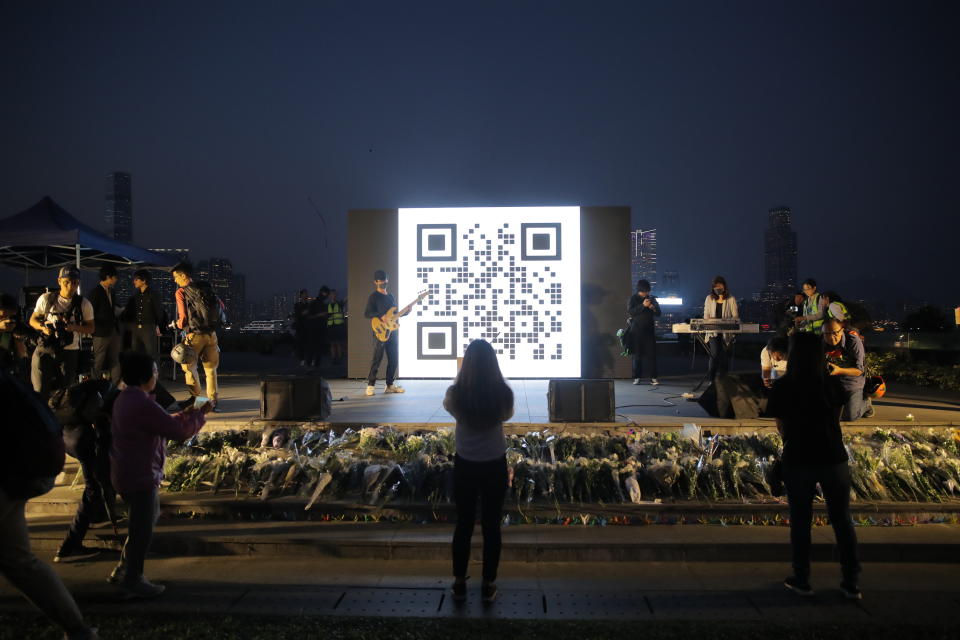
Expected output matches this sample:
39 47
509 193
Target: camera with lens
59 337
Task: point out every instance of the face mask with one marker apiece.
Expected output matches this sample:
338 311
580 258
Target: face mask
717 291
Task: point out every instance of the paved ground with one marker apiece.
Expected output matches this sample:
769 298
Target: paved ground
739 591
422 403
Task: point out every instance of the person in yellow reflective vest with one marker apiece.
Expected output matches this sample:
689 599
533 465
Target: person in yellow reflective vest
814 309
336 327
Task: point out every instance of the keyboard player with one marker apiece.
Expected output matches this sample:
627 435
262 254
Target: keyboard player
719 304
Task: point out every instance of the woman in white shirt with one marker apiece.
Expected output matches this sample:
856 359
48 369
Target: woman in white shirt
481 401
719 304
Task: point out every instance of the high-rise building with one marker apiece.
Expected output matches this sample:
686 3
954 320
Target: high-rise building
670 283
118 215
779 255
162 281
643 256
119 209
238 300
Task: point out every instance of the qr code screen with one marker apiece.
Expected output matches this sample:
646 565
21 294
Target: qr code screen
509 275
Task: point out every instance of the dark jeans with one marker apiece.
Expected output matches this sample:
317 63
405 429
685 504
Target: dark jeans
80 442
144 340
379 348
801 484
144 508
486 482
106 357
855 405
53 370
719 357
645 345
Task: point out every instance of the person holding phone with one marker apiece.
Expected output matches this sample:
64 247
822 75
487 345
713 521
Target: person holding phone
141 428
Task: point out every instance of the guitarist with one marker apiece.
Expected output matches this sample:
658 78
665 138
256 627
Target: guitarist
378 304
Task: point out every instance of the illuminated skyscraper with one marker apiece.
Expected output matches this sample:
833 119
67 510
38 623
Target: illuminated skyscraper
119 209
779 255
643 256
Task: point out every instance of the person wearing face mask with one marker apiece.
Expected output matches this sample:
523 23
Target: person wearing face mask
719 304
846 359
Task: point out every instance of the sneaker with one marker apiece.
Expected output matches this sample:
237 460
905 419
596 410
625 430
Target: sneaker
73 554
488 592
370 390
654 382
118 574
142 589
868 413
394 388
799 586
459 591
636 381
851 591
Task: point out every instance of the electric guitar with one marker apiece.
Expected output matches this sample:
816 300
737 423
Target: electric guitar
383 327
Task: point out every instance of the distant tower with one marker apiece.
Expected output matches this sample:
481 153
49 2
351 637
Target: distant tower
643 256
779 255
119 209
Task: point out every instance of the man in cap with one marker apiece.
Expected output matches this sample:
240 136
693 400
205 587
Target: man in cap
379 305
61 317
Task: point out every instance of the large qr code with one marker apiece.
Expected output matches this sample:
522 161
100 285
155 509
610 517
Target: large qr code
508 275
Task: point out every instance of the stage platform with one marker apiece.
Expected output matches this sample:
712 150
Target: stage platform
638 406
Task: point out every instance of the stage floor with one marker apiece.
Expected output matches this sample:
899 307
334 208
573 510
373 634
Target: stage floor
637 405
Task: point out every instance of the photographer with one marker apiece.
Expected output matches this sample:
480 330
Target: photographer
61 317
13 339
846 360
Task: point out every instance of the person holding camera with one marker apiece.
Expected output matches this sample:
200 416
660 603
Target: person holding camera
846 359
14 355
140 430
61 317
643 310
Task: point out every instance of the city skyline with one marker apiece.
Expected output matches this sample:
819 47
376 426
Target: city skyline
844 113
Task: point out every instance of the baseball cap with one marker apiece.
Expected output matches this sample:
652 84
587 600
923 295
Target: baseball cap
69 272
379 274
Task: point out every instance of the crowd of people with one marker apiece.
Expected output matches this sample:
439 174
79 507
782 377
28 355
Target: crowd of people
112 423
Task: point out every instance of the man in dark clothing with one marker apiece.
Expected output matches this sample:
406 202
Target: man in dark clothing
301 326
378 305
107 335
317 327
643 309
145 314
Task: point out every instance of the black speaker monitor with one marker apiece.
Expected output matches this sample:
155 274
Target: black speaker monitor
580 400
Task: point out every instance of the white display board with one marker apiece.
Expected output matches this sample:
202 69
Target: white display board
510 275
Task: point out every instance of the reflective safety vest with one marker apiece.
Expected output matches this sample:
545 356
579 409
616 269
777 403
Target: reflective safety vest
334 314
811 306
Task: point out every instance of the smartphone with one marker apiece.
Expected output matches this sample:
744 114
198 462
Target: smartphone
199 401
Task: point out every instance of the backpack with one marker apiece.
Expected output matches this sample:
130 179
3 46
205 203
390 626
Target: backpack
204 309
33 455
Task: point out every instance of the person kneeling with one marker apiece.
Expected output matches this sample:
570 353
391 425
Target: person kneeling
140 431
846 360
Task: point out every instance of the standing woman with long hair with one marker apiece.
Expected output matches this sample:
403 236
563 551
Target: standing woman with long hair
481 401
806 404
719 304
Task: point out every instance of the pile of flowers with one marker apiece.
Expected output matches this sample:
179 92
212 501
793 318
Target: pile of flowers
375 466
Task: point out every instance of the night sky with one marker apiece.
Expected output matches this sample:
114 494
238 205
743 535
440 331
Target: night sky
700 116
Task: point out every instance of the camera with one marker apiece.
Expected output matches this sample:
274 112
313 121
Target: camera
794 309
58 338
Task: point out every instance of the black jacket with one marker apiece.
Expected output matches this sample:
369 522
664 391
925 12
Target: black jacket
105 322
145 309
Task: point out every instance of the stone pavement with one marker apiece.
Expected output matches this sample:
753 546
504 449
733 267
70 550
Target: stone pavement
740 591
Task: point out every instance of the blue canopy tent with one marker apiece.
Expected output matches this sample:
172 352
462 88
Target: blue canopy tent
46 236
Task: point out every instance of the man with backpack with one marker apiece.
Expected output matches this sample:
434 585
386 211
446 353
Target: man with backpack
31 458
61 317
199 313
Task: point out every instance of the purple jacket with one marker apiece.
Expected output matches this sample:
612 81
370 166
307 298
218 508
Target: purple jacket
141 429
